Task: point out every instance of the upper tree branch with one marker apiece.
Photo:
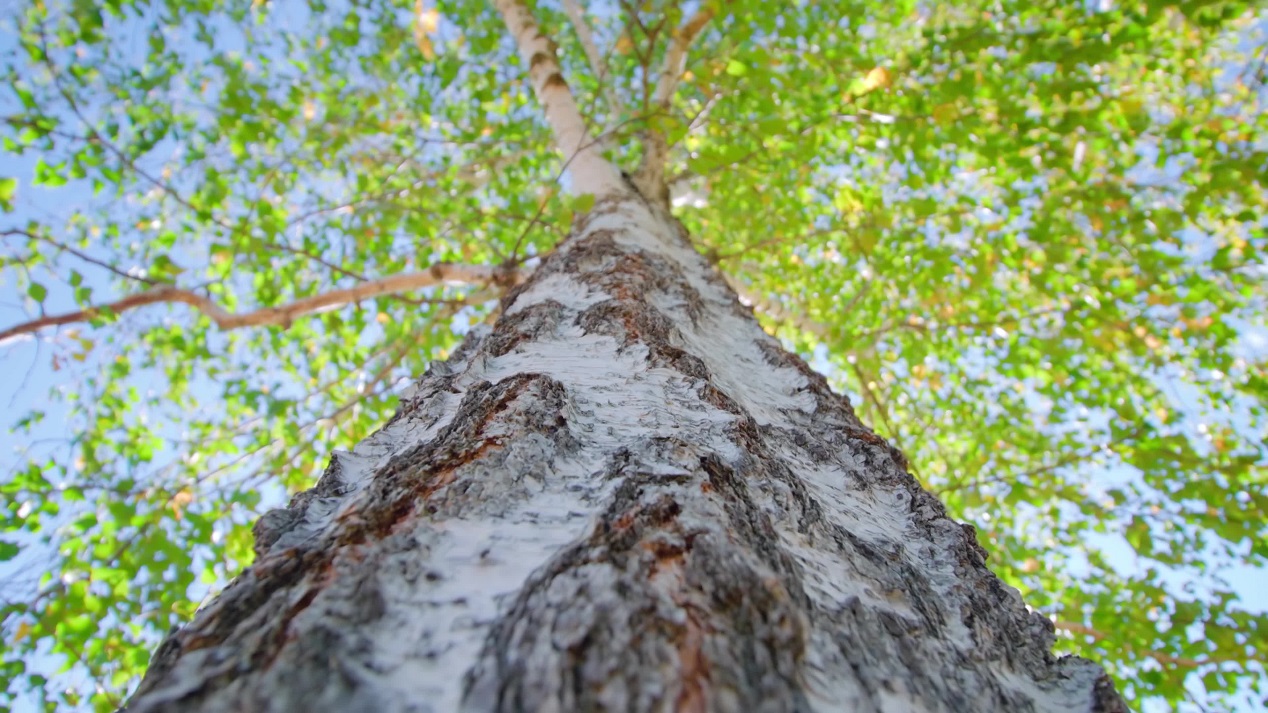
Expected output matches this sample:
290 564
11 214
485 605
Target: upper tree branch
650 176
676 58
282 314
591 172
600 68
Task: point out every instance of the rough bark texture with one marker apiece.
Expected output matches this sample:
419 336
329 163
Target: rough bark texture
623 497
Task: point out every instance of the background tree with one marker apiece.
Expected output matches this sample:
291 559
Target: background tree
1024 237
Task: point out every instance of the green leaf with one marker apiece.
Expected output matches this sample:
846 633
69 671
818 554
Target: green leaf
49 175
8 189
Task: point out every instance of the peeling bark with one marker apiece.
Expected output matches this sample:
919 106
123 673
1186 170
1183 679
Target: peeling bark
624 496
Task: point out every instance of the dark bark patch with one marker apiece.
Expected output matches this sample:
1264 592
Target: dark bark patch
850 544
1105 698
263 656
627 321
324 671
761 466
597 251
629 517
629 276
716 397
419 473
695 674
534 322
636 276
624 273
763 617
975 549
250 597
538 59
632 322
868 437
747 521
689 365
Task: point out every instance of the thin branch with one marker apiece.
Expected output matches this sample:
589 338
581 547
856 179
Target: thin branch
95 137
1259 67
869 396
80 254
922 326
1068 459
1159 656
1194 700
283 247
367 389
798 320
284 314
591 172
774 310
780 238
476 173
577 15
514 258
890 432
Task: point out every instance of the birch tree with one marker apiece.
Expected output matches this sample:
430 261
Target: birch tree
1019 242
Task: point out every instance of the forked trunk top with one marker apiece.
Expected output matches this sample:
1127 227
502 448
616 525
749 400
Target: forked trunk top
625 496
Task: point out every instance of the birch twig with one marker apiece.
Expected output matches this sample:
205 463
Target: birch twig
577 15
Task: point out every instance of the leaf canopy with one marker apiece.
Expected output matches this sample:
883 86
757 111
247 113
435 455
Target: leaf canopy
1026 237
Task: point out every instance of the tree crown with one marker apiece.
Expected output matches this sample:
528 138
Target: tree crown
1025 237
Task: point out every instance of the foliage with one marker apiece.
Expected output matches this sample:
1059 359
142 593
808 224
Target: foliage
1026 236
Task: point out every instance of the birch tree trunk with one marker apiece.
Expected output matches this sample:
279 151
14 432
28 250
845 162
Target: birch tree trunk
624 496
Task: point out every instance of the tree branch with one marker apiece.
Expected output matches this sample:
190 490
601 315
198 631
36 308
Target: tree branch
774 310
79 254
1068 459
650 176
676 58
283 314
1159 656
600 68
591 172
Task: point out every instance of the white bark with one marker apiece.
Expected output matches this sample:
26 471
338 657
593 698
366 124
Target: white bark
590 171
623 497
